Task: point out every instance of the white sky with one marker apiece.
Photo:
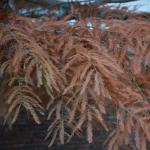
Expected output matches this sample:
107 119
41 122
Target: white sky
142 5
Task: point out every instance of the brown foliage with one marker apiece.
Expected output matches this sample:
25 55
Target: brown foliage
132 127
78 70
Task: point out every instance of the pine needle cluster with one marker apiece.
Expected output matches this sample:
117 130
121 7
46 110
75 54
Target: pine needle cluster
78 71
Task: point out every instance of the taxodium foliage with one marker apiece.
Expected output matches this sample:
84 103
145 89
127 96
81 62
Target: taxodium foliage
75 73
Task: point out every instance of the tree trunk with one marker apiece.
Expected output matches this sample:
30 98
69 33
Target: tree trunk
7 9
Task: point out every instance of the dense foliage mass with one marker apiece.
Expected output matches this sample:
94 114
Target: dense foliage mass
75 72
